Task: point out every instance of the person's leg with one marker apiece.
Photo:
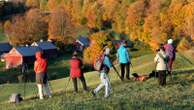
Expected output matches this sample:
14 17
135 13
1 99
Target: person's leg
107 86
47 89
40 91
160 77
170 62
122 66
75 84
82 78
127 67
101 85
39 81
164 78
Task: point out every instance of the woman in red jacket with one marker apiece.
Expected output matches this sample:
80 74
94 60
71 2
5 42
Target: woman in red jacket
40 68
76 72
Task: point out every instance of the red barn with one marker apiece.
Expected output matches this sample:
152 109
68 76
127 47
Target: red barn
20 55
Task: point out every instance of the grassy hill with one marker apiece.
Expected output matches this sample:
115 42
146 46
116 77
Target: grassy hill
132 95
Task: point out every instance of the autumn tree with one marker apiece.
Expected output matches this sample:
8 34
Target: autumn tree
98 41
33 3
26 29
60 26
134 20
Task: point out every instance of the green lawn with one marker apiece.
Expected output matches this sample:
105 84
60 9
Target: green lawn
129 95
57 68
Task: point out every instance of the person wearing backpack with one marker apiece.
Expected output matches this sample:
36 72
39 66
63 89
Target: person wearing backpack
171 54
124 60
105 81
161 65
40 68
76 72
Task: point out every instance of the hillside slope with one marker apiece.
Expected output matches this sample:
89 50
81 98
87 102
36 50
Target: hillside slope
177 95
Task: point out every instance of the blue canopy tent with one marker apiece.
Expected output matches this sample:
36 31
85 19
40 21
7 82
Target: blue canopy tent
81 43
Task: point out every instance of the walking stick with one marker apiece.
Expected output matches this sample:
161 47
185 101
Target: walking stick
117 72
65 91
24 70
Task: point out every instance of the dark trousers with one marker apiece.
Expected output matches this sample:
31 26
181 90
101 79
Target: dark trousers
82 79
162 77
125 67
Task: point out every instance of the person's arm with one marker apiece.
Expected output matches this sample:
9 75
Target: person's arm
128 55
156 58
107 61
35 66
44 67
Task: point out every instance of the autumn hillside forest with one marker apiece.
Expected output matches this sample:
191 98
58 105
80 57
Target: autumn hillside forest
149 21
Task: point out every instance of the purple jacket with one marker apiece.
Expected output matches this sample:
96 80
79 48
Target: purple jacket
170 51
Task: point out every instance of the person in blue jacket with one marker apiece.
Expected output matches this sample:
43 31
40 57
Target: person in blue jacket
124 60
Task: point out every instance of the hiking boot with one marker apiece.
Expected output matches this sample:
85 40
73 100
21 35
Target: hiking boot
93 94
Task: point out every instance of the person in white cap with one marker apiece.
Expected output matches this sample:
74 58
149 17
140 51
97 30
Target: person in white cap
105 81
171 54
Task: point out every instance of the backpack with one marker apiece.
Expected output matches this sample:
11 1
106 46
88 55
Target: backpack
99 62
15 98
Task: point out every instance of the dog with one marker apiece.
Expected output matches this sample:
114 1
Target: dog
140 78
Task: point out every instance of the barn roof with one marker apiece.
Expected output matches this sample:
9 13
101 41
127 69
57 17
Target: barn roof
27 51
83 41
5 47
46 45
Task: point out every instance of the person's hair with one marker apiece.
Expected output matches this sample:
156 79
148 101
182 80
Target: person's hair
162 47
40 52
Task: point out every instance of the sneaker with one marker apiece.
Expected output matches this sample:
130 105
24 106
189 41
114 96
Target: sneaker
106 96
93 93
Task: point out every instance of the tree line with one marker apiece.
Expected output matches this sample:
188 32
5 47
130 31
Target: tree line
149 21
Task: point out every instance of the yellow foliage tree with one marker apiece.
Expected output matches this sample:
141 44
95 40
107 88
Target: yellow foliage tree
98 40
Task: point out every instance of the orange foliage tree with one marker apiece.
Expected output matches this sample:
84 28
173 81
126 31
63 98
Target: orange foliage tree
27 29
98 40
60 26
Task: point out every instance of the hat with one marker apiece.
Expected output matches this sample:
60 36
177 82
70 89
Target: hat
107 51
170 41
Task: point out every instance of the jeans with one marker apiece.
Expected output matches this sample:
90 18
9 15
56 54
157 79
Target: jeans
104 82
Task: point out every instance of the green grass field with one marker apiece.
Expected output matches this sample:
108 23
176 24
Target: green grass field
128 95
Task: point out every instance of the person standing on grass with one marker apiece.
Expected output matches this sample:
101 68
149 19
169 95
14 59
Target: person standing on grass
171 54
40 68
76 72
124 60
161 65
105 81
